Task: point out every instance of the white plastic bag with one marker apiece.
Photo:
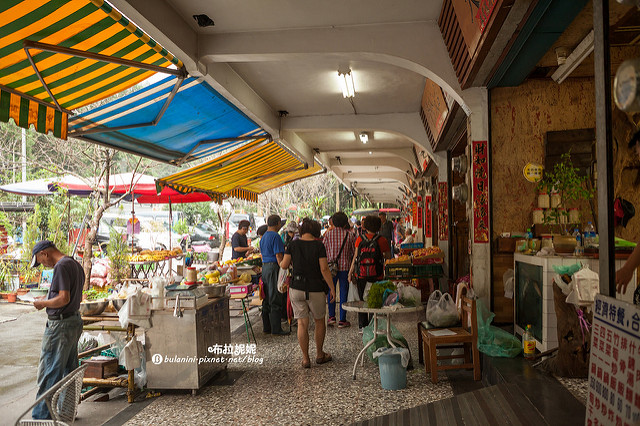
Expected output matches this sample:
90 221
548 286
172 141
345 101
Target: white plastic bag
432 302
131 354
587 285
282 279
365 294
508 283
444 313
409 295
353 293
403 352
136 310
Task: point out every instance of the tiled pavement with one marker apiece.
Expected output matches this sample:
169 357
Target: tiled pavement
280 392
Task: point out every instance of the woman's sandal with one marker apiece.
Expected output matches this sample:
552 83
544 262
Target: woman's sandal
325 358
306 364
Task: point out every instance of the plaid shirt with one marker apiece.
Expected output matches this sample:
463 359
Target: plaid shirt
333 240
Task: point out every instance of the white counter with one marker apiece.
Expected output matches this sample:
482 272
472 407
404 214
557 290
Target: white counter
549 337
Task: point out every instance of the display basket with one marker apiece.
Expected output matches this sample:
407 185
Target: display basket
433 270
397 270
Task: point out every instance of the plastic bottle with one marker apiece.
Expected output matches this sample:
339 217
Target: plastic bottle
528 237
528 343
589 236
579 246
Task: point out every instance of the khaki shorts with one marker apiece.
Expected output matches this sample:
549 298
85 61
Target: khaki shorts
317 304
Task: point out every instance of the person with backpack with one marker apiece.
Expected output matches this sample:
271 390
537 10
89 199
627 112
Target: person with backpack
368 262
339 243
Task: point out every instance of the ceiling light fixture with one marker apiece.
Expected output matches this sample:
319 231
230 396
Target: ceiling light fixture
364 137
346 84
370 152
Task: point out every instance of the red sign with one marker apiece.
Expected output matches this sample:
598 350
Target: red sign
484 13
427 216
414 213
443 211
480 191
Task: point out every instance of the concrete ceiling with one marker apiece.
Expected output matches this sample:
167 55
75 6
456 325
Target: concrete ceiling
270 56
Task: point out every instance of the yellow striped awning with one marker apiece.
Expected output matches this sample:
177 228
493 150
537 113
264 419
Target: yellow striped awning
244 173
59 46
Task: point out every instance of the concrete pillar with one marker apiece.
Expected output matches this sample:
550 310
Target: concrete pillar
478 130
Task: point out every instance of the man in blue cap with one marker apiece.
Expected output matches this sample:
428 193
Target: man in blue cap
59 354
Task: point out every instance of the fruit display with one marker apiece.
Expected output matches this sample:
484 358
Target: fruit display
209 277
428 252
404 259
155 255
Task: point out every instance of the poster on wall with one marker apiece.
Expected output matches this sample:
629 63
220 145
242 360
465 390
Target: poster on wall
480 179
614 365
443 211
427 216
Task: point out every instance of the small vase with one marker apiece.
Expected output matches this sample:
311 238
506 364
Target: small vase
12 297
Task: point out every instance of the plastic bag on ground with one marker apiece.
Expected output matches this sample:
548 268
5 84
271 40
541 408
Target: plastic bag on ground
381 340
403 352
444 313
494 341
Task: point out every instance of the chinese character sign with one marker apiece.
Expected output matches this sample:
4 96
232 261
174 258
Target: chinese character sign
414 213
427 216
614 368
419 204
443 211
480 191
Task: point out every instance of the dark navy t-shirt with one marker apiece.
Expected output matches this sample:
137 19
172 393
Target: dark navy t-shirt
238 240
67 275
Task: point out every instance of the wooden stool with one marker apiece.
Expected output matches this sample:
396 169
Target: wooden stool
467 335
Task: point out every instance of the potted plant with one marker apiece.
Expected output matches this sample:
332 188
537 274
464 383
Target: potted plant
118 254
566 181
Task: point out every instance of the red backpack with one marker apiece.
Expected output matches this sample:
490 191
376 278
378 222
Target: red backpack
369 262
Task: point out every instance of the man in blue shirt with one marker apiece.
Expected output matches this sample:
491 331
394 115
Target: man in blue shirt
272 250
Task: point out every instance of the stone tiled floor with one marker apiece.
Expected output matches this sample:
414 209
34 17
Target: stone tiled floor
280 392
578 387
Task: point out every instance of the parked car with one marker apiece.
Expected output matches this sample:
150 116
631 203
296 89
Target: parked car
203 233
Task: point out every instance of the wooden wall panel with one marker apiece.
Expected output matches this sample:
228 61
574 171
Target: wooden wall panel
520 118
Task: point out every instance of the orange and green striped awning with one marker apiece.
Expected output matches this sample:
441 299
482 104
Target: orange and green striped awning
244 173
89 26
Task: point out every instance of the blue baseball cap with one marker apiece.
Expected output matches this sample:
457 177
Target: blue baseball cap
40 245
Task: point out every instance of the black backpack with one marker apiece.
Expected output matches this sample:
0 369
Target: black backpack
370 263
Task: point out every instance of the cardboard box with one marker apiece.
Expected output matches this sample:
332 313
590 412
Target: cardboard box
101 368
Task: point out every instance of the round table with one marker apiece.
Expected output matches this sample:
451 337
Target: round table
361 308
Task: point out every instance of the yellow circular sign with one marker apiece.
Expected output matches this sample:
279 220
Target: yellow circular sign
532 172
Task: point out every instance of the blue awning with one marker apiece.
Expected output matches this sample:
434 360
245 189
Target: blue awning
197 122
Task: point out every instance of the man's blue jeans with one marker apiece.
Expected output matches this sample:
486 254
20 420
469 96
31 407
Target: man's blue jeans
58 358
343 277
272 304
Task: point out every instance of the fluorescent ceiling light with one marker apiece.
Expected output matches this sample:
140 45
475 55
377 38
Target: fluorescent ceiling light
364 137
346 84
